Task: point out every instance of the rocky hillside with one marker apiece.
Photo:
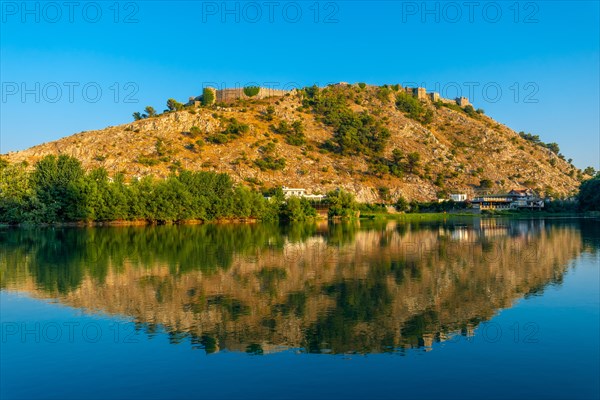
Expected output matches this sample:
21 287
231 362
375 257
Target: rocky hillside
364 139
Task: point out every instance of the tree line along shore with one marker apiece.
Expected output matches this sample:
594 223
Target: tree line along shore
59 191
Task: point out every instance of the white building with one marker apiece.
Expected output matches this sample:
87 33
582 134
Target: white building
458 197
298 192
289 192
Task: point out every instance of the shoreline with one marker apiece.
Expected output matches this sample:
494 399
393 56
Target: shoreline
399 217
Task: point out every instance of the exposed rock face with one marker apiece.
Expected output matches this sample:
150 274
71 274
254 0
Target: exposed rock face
461 149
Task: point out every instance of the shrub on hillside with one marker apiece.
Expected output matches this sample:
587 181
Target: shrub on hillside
486 184
269 162
293 133
217 138
413 108
354 132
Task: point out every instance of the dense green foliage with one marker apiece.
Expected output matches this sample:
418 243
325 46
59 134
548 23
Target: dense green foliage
297 209
402 204
354 132
383 94
589 195
174 105
413 108
208 96
529 137
341 204
397 165
150 111
535 139
470 111
293 133
270 162
59 190
486 184
451 105
251 91
233 130
591 171
560 206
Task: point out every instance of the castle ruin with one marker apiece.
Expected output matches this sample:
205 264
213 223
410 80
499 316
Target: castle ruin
231 95
421 94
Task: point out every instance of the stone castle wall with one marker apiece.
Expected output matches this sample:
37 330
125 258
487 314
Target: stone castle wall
230 95
421 94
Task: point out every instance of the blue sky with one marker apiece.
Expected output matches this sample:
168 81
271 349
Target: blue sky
71 67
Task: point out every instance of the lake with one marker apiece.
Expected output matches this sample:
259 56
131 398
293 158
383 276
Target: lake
473 308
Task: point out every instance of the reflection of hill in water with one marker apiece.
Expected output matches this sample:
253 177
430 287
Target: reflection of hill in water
341 288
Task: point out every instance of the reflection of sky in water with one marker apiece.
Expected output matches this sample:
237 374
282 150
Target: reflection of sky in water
544 345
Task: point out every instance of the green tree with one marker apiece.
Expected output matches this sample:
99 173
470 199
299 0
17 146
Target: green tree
294 133
150 111
384 193
589 195
174 105
251 91
401 204
397 165
208 96
591 171
194 132
58 183
341 204
410 105
247 203
470 110
553 147
137 116
18 202
297 209
269 113
412 161
486 184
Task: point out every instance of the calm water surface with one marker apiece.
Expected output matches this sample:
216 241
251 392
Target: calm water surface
470 309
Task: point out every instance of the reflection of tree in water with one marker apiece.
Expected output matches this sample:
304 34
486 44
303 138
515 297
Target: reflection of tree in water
356 302
60 258
369 287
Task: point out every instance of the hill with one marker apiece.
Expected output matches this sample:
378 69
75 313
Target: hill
377 142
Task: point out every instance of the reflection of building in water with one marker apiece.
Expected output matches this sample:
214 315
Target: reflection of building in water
491 228
461 233
488 228
348 288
